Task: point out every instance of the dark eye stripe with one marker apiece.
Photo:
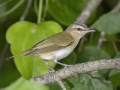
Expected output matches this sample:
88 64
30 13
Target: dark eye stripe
79 29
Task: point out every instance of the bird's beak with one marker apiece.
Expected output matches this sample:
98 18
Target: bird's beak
89 30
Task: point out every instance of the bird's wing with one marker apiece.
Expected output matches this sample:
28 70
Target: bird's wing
55 42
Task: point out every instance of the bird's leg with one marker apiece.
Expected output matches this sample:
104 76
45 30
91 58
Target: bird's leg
51 69
65 65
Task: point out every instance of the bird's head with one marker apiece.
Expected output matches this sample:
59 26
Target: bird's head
78 30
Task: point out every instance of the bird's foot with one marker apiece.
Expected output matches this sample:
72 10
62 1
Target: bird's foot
51 71
66 66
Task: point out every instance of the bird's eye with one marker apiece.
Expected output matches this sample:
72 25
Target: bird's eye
79 29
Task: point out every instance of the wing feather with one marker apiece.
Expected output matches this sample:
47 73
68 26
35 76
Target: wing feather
55 42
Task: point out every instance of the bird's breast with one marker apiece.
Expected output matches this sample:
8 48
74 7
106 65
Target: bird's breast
56 55
60 54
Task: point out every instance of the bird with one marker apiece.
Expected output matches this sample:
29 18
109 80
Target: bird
58 46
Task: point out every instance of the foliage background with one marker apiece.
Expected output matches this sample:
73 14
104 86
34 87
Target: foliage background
45 18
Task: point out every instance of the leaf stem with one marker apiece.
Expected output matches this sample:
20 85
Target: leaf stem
40 11
12 9
35 6
45 10
4 3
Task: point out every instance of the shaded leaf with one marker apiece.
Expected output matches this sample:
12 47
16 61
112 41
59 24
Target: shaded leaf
55 86
108 23
86 82
91 53
114 77
7 72
66 11
117 55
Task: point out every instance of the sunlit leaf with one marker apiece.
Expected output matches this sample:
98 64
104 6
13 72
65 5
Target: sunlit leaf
22 84
22 36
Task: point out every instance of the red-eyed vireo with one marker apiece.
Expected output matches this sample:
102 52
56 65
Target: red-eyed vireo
58 46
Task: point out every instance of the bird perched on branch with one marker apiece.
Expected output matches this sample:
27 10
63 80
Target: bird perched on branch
58 46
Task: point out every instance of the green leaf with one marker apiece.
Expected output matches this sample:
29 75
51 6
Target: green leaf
91 53
22 84
108 23
114 77
117 55
86 82
22 36
66 11
55 86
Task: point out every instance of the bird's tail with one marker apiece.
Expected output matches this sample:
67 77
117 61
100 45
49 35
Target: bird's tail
25 53
13 56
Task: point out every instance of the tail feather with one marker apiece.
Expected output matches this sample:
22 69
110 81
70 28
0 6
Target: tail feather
13 56
25 53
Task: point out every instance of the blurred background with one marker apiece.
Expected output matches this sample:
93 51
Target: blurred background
23 23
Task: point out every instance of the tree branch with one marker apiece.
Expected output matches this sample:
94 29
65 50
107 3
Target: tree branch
77 69
86 13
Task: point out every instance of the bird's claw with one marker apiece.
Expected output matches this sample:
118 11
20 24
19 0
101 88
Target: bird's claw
52 70
66 66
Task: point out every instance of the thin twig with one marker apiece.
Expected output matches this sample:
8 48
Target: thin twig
26 10
111 40
114 46
91 36
77 69
61 84
100 41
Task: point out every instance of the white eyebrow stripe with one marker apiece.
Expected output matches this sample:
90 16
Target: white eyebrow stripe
77 26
